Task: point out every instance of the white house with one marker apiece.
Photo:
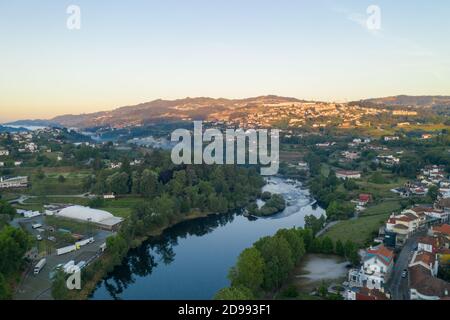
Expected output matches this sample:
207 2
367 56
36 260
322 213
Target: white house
347 174
375 270
4 152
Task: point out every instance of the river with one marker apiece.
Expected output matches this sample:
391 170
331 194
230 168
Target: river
191 260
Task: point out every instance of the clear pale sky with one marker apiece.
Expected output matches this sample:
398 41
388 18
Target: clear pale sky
128 52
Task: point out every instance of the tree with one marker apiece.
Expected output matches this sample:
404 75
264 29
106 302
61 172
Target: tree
40 174
149 183
278 261
6 208
248 271
340 251
314 223
13 245
59 286
377 178
339 210
5 291
61 179
327 246
351 252
234 293
295 241
433 192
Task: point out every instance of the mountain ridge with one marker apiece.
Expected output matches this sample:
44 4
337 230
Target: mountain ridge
200 108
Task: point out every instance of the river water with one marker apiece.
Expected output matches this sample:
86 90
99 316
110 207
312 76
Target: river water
191 260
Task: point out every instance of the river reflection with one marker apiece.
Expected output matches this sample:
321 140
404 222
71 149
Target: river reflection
191 260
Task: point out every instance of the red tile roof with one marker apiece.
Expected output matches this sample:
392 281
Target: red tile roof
444 229
422 281
425 257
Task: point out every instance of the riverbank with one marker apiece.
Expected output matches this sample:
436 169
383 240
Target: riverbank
106 260
191 260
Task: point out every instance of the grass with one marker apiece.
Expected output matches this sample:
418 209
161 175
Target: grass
121 207
63 200
50 184
382 208
118 212
359 231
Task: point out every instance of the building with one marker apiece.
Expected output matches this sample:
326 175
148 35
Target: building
375 270
4 152
364 199
365 294
347 174
443 230
109 196
103 219
391 138
428 244
427 260
423 286
16 182
403 226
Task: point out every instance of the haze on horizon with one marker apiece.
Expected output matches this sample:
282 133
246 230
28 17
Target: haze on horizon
128 53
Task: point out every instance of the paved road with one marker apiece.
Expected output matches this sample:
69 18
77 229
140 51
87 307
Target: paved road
399 286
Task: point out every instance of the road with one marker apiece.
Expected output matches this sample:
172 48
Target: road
399 286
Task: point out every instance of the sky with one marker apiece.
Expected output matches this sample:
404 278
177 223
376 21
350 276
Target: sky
129 52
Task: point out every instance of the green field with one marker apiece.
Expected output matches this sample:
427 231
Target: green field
359 231
383 207
121 207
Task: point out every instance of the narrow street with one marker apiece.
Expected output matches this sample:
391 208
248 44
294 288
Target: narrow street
399 286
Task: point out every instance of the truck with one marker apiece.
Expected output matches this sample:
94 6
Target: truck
68 266
39 266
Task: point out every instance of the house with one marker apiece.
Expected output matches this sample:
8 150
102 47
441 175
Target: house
443 230
375 270
302 165
109 196
364 199
365 294
2 164
423 286
427 260
443 204
18 163
428 244
4 152
403 226
347 174
16 182
350 155
391 138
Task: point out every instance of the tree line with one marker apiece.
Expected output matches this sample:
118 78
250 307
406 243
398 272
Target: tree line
263 268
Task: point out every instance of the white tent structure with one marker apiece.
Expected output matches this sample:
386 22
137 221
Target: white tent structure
86 214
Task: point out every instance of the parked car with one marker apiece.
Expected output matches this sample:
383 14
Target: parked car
404 273
39 237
